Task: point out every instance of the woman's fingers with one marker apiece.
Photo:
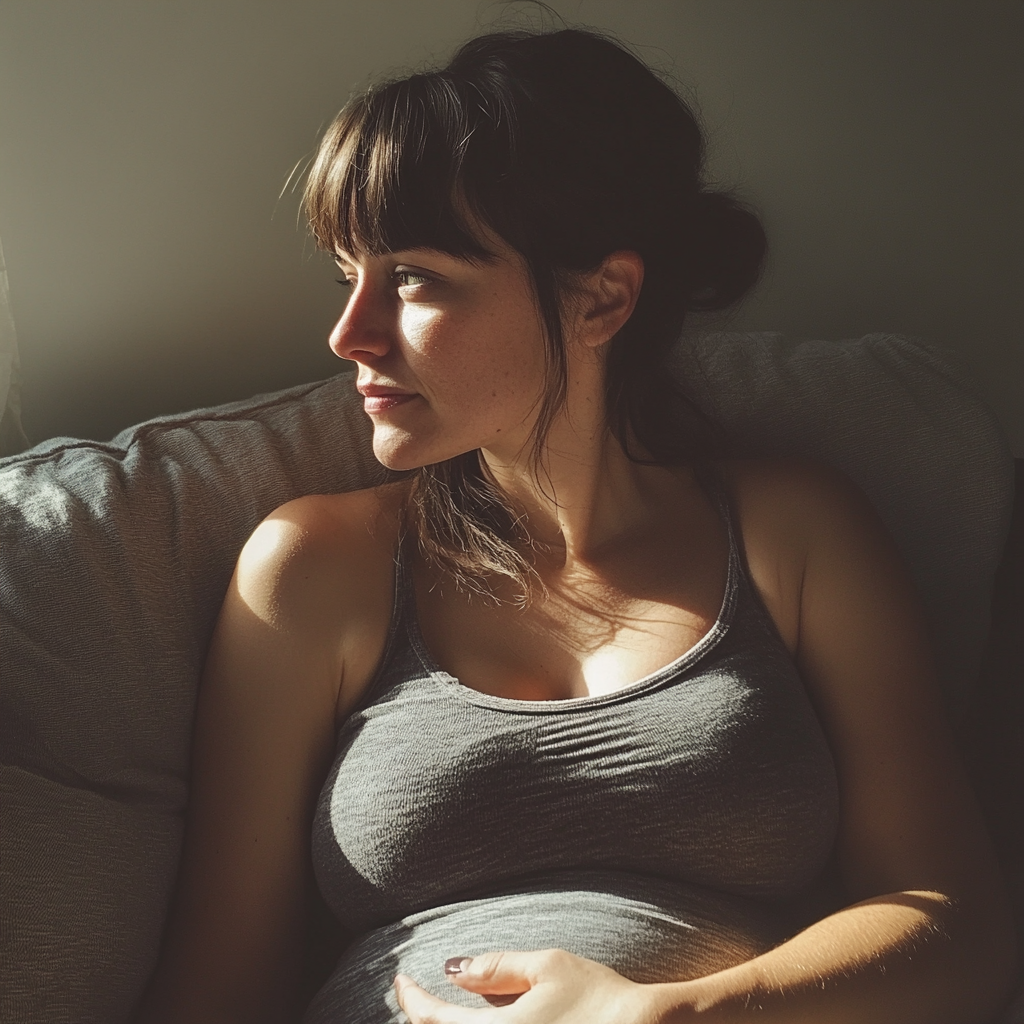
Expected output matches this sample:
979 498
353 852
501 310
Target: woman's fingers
548 986
499 977
423 1008
498 974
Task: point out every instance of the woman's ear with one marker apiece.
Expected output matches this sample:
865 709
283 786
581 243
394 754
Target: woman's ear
608 296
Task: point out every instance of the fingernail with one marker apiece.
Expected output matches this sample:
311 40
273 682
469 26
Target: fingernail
456 964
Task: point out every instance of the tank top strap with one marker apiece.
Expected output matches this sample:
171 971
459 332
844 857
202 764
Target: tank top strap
402 607
404 592
748 594
714 487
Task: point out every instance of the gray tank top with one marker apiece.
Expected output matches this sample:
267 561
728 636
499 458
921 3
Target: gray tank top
660 829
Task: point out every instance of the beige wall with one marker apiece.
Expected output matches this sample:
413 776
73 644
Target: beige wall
143 144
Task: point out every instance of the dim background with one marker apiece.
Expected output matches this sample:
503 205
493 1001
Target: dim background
144 144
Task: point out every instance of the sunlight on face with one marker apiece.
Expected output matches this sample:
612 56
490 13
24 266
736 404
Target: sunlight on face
450 353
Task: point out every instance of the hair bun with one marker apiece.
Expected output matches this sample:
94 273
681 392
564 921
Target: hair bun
726 247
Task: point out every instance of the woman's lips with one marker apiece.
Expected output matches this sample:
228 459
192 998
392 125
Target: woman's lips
383 402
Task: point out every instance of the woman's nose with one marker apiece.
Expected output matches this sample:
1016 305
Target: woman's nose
363 333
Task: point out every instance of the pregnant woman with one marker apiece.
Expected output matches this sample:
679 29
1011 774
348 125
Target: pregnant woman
615 729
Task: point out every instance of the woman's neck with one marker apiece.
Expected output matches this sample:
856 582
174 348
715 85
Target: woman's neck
583 493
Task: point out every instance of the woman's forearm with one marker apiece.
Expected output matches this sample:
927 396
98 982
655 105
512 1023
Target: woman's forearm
909 957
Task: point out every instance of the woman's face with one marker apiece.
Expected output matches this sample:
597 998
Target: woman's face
450 353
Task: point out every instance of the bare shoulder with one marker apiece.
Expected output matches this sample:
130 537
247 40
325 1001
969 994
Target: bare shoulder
852 617
791 513
322 567
792 494
795 507
304 543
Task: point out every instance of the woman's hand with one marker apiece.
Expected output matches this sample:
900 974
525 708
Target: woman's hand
544 987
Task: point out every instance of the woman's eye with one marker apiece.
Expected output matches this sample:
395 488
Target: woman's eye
409 278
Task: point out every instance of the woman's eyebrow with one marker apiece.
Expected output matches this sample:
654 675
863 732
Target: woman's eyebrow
413 256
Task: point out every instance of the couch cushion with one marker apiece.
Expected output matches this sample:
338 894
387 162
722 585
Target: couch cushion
115 558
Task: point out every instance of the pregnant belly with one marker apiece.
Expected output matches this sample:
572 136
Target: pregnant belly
647 929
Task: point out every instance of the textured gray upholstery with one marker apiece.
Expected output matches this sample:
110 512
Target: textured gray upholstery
114 559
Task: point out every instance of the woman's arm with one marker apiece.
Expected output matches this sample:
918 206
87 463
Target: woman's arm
927 937
304 587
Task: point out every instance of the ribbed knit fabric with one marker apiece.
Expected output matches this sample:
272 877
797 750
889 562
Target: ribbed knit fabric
661 829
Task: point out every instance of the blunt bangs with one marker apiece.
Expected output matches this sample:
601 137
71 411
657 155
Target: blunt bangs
388 174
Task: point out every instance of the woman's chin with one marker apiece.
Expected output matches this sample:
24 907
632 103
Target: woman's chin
402 454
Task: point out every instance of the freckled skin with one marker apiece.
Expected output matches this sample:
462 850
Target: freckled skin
467 339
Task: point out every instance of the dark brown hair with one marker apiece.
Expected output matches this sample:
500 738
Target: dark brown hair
569 148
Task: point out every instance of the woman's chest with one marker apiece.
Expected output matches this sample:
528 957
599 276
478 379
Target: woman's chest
531 657
585 636
706 774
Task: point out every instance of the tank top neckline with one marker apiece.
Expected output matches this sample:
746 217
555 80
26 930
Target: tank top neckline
404 616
